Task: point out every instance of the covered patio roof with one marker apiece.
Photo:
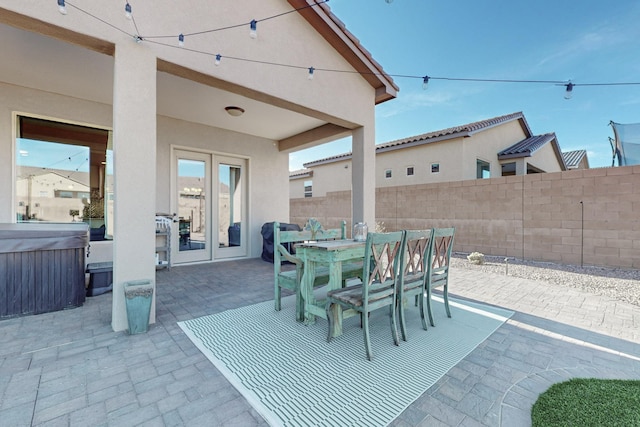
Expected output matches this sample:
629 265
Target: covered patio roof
76 62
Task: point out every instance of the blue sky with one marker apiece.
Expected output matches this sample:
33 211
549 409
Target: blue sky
582 41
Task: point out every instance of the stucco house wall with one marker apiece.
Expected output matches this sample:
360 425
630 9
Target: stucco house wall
545 159
484 146
446 153
158 98
455 156
265 166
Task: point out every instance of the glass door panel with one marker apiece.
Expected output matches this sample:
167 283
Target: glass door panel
192 236
231 207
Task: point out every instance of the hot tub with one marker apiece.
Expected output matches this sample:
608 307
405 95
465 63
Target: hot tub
41 267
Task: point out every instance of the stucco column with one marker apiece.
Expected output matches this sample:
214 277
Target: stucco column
7 207
363 175
134 158
521 167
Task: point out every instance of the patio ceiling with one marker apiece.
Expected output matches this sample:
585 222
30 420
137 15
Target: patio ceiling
45 63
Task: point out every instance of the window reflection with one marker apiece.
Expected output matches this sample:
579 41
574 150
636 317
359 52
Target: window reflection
229 205
192 204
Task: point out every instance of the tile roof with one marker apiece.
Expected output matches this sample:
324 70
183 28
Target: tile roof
526 147
300 173
457 131
439 135
573 158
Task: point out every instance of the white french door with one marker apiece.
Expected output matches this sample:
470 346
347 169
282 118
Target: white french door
191 239
231 207
210 199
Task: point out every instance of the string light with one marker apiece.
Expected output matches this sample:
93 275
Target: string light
253 33
425 82
569 92
62 7
127 11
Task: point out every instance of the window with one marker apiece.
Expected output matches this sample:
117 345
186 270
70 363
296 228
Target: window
308 188
483 169
435 167
387 173
61 172
410 171
508 169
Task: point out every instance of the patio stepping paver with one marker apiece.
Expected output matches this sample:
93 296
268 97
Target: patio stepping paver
69 368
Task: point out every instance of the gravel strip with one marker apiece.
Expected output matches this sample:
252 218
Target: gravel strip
617 283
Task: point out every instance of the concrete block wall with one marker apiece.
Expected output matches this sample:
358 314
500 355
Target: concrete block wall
589 216
330 210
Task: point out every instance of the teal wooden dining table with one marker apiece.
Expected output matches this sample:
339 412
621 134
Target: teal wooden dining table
331 253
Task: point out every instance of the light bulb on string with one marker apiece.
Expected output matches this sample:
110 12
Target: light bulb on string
569 92
218 59
127 11
311 70
253 29
181 40
425 82
62 7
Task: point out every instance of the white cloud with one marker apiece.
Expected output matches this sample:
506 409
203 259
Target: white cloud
594 40
413 101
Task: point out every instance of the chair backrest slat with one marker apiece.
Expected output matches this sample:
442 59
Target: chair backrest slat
442 247
417 251
381 263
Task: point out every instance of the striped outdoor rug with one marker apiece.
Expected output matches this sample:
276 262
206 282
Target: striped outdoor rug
293 377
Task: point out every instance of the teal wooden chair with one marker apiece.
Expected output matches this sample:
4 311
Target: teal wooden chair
442 247
290 278
378 289
415 264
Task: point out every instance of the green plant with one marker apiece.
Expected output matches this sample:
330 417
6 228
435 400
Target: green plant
588 402
314 226
95 209
476 258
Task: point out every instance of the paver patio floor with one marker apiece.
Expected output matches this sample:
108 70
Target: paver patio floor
70 368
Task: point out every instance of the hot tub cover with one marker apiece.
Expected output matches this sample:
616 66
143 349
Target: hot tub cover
26 237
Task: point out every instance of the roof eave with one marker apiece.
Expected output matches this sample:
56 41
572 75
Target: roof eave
556 148
514 155
335 32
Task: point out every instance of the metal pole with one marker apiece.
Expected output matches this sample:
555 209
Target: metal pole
582 235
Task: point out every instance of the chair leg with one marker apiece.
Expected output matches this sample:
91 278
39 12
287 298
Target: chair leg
299 305
423 312
367 338
330 313
429 311
403 321
277 294
445 292
394 326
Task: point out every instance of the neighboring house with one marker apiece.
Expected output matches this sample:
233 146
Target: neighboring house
51 195
500 146
576 159
153 115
